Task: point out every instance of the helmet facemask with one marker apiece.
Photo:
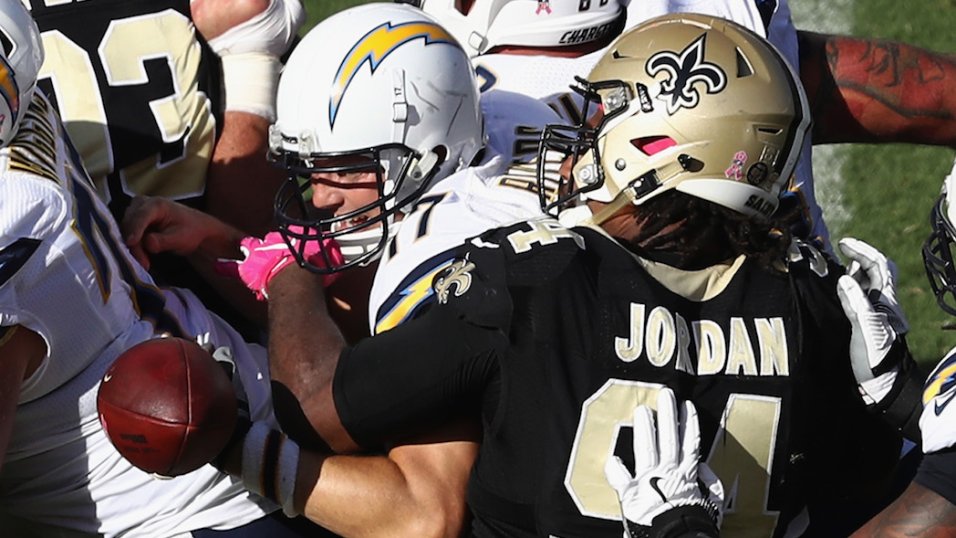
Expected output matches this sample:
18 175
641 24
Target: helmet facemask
361 233
604 102
938 250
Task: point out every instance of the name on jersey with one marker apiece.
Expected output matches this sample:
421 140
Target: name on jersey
749 346
586 35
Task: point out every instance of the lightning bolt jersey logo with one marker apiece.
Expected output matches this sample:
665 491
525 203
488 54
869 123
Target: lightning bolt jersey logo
374 47
412 293
941 385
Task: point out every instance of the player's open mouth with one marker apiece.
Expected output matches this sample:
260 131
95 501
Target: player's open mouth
353 222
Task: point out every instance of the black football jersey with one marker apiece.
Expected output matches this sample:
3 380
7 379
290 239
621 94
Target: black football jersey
567 332
138 90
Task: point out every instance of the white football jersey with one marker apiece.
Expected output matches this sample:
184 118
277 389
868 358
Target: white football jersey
501 190
938 421
65 274
548 78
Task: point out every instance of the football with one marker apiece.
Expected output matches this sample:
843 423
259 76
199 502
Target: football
167 406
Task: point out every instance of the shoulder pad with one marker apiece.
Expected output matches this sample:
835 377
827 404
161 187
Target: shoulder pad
533 250
476 289
528 253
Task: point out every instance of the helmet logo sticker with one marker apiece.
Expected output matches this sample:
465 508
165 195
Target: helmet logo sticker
543 5
758 173
9 91
684 71
736 169
374 47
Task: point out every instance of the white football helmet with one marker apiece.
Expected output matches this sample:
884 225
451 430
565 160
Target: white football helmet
481 25
22 56
693 103
377 83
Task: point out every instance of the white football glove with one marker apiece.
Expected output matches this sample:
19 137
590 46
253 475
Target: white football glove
668 473
868 296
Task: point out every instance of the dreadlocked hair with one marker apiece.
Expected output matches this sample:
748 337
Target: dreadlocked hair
709 233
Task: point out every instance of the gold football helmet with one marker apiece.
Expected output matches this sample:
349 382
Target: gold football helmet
687 102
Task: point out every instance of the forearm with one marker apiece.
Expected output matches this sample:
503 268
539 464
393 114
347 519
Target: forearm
241 182
917 512
417 491
249 36
304 348
869 90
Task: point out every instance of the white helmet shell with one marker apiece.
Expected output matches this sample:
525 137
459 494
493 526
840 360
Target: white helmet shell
20 61
485 24
379 74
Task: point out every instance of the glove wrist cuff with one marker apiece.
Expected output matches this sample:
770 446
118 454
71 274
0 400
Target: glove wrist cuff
689 521
903 404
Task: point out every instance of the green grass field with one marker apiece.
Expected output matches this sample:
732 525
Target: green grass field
881 194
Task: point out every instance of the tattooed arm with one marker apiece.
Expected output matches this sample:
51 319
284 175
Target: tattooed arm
869 90
919 511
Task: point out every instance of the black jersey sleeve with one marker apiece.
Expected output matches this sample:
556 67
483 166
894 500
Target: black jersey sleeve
937 472
435 366
852 452
414 376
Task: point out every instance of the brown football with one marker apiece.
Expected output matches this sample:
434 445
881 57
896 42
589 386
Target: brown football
167 406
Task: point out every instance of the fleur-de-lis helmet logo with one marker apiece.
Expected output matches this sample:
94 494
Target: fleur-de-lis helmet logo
685 72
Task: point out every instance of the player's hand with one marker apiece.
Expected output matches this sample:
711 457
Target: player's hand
223 357
868 296
265 258
876 275
671 488
153 225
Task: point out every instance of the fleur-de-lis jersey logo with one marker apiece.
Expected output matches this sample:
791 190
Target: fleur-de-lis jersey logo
457 276
684 72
